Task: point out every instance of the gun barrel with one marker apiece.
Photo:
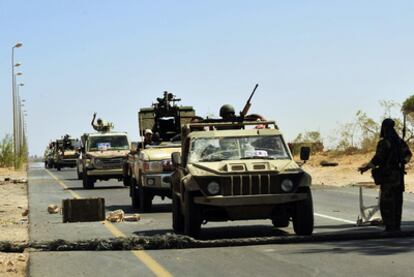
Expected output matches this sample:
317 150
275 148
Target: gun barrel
248 104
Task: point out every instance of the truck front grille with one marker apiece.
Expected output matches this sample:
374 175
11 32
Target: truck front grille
250 184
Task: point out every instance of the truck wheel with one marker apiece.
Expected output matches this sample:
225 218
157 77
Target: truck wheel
126 179
145 199
134 194
177 216
58 168
80 177
280 221
302 216
192 216
88 182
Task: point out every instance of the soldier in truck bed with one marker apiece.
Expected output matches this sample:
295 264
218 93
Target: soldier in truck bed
388 171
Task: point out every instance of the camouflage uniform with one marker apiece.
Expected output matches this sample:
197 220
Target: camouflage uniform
391 155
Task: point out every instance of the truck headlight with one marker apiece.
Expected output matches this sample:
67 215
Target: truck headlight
98 162
287 185
155 166
213 188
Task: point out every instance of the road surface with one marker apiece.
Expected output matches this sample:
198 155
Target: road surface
336 210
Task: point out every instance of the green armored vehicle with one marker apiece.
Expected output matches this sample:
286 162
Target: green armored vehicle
238 170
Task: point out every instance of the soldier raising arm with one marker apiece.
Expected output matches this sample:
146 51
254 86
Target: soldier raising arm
98 126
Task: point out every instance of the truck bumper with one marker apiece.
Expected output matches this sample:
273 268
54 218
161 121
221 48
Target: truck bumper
157 181
67 162
105 172
250 200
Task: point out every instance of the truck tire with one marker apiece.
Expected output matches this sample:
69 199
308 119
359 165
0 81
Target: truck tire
192 216
80 175
134 194
58 168
177 216
145 199
126 179
302 216
88 182
280 221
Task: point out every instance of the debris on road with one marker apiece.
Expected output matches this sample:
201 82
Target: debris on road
83 209
116 216
134 217
53 209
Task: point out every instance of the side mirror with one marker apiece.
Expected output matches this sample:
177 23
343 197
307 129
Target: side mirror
305 153
176 159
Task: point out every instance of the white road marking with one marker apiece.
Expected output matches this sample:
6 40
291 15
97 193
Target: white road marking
335 218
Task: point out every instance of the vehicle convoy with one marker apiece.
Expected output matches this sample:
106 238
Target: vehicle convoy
65 152
102 157
227 171
148 168
48 155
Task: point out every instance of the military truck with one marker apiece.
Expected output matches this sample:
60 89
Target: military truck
48 155
238 170
102 157
149 168
66 152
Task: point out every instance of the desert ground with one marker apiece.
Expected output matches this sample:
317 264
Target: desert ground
13 220
346 172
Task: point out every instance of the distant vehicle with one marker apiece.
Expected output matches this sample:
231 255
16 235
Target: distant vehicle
102 157
66 152
148 168
48 155
238 170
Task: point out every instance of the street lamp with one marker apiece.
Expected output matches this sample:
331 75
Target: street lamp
20 123
13 64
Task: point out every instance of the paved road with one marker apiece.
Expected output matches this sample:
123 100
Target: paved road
336 210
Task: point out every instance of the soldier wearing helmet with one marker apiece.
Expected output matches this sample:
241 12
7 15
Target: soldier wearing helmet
227 112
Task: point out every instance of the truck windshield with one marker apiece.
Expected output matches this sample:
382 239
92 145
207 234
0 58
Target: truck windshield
100 143
237 148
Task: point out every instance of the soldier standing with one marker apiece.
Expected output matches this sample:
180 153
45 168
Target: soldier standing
388 172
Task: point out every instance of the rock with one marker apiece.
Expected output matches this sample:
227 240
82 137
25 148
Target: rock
116 216
53 209
10 263
21 258
25 213
134 217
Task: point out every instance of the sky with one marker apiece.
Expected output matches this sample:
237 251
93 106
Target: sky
317 62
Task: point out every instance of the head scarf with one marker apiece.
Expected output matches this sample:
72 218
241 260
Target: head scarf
388 132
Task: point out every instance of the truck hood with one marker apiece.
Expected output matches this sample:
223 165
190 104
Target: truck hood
243 166
108 154
158 154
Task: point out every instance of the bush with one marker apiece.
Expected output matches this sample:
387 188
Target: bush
6 152
311 139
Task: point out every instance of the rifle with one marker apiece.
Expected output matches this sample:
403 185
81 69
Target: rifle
246 108
404 132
